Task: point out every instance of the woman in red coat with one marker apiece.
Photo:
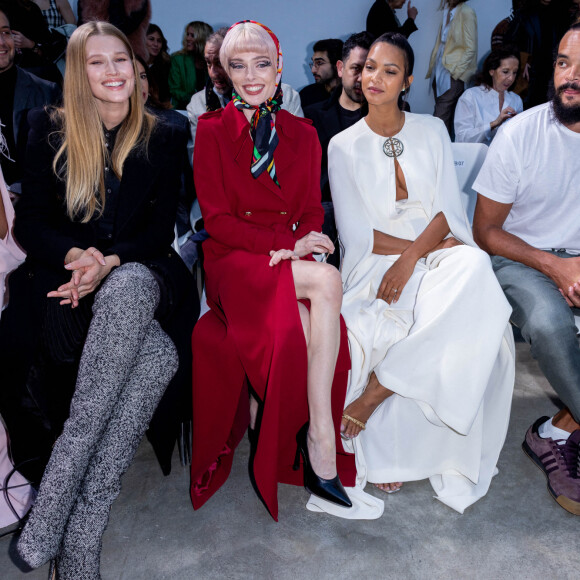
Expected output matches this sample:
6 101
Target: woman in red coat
257 172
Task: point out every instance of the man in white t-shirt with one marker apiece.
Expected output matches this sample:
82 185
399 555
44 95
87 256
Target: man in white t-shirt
528 218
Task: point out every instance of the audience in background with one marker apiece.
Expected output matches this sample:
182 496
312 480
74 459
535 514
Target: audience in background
341 110
382 18
482 109
20 92
158 63
37 47
501 28
526 217
129 16
536 28
56 12
325 55
454 57
187 74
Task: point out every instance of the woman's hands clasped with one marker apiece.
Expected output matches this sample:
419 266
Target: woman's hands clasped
312 243
89 268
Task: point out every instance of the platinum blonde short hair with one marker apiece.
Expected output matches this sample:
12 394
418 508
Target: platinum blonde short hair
247 37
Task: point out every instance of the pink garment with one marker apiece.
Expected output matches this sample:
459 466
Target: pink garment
11 255
20 492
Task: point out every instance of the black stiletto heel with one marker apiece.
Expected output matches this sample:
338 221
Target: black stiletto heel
328 489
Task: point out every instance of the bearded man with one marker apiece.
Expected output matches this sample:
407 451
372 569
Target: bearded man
527 219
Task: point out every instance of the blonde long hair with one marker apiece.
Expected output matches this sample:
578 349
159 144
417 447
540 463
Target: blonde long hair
80 160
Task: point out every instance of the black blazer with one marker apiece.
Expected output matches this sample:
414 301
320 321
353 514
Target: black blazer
381 19
144 231
146 210
325 117
30 92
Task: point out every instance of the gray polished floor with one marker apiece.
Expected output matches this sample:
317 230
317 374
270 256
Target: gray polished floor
516 531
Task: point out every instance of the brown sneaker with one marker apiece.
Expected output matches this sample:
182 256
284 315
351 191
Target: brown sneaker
559 464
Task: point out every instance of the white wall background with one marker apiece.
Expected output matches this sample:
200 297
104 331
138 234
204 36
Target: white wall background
299 23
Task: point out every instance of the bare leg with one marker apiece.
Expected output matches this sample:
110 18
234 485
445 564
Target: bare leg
362 409
364 406
321 284
253 411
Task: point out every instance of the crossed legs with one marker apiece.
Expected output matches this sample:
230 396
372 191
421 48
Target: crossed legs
126 364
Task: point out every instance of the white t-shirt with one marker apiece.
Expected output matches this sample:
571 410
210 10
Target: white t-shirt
476 109
533 164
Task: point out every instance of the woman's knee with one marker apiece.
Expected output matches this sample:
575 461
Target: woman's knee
131 285
163 356
327 285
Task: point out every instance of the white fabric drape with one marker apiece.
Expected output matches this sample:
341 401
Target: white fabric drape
444 348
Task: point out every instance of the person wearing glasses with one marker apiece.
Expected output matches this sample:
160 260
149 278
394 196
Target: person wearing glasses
325 55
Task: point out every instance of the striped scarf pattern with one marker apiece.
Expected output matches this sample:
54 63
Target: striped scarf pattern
262 126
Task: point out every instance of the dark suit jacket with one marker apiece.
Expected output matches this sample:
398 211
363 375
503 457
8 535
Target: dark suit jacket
311 94
327 121
30 92
381 19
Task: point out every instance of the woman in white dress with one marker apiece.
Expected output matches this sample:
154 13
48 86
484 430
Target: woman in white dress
432 355
482 109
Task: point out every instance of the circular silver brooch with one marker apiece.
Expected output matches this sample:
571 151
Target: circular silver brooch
392 147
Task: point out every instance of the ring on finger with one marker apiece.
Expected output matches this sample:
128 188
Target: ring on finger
395 290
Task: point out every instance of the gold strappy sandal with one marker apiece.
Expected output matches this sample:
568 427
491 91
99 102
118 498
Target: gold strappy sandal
358 423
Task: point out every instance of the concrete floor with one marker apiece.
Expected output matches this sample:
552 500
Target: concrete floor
516 531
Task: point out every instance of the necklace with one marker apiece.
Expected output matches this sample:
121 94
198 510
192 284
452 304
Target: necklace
394 147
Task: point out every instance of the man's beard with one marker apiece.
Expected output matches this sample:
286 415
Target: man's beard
353 96
566 114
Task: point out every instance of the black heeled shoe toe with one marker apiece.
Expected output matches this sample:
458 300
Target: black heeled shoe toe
328 489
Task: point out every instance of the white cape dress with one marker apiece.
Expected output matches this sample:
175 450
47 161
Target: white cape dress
445 348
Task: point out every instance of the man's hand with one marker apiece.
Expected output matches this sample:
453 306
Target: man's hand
573 295
565 272
21 41
411 11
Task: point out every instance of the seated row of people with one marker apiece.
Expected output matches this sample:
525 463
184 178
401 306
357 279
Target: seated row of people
432 354
415 289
